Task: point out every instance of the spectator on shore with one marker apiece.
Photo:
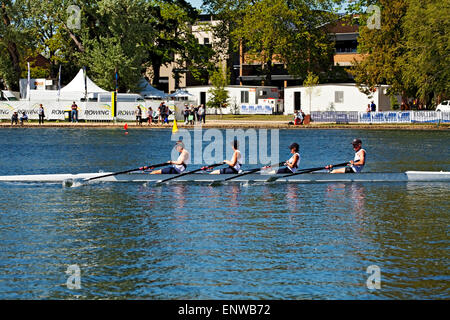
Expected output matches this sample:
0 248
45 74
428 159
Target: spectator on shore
201 113
149 116
191 115
74 113
373 107
166 114
23 118
186 113
41 114
15 118
138 113
368 108
196 118
298 118
204 113
161 111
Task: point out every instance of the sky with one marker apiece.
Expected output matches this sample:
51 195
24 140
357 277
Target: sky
195 3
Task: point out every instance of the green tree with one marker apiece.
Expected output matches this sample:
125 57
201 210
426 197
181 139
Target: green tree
289 32
15 37
310 83
427 41
383 50
219 94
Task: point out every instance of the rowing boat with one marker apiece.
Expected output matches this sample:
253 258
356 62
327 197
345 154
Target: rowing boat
416 176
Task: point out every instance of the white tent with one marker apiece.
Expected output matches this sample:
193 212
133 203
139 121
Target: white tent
181 94
147 91
77 85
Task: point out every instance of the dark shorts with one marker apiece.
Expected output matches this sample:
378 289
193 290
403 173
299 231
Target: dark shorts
228 170
349 170
284 170
169 170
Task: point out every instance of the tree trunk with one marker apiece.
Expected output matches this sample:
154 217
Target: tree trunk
156 65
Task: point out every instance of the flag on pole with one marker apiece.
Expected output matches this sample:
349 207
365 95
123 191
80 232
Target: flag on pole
28 82
175 127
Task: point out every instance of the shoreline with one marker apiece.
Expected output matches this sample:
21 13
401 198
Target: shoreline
234 124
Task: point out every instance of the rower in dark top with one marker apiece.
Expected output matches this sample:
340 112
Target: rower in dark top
357 164
294 162
178 166
234 165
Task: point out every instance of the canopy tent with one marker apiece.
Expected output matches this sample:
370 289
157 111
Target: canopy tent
181 94
77 85
75 90
147 91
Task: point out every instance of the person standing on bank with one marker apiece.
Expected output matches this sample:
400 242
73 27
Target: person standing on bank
41 114
74 113
138 115
204 112
201 113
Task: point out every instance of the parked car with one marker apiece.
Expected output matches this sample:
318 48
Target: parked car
444 106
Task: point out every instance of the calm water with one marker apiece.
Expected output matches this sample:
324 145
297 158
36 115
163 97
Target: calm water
193 241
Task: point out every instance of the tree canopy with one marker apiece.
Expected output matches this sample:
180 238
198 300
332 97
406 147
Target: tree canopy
104 35
410 50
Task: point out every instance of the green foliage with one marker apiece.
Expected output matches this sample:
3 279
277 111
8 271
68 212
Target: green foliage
409 52
427 41
219 95
130 35
288 32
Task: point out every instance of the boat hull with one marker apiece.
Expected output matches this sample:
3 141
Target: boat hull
418 176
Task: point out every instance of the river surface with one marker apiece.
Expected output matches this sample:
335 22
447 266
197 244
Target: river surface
235 241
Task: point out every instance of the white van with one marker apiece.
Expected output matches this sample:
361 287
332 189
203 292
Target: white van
444 106
121 97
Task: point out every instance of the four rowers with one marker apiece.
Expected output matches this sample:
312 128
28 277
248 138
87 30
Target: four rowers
234 165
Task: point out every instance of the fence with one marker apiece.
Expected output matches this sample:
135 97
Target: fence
381 117
89 111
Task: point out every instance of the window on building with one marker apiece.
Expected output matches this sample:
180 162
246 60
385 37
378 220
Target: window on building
339 96
205 40
244 97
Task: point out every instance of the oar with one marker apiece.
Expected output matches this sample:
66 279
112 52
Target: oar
302 171
187 173
216 183
70 182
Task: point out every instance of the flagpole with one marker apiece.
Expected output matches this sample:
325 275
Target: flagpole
28 82
59 82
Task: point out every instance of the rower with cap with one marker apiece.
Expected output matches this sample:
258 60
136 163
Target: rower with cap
179 165
234 165
294 162
357 164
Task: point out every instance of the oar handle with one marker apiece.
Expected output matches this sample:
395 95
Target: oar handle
251 171
190 172
127 171
313 169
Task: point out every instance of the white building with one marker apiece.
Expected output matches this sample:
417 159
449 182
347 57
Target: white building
241 97
333 97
